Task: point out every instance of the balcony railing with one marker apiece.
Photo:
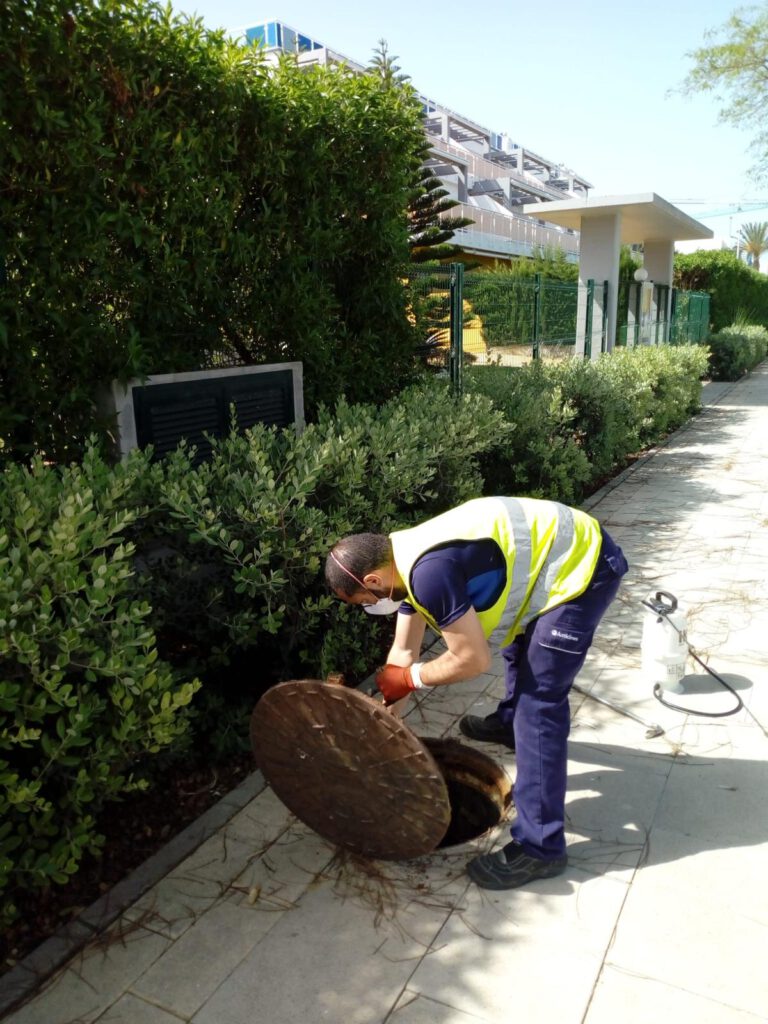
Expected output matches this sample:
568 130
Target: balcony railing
510 235
481 167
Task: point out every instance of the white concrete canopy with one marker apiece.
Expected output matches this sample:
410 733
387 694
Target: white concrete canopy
605 223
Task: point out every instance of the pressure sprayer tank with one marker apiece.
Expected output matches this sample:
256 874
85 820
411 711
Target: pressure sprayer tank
665 644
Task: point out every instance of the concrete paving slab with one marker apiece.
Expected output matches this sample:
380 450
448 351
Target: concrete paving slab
175 903
717 798
415 1009
96 979
215 944
495 958
692 940
131 1010
621 996
337 960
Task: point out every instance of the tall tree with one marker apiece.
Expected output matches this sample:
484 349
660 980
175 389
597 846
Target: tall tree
736 71
431 231
429 201
754 241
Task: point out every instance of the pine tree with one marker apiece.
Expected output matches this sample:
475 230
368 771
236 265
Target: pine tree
429 201
431 231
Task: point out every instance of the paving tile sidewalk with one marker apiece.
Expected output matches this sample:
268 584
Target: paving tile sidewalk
663 912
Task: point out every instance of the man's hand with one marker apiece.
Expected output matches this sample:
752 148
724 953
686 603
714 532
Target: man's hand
394 682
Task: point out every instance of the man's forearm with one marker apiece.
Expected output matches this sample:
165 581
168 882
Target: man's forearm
409 636
448 668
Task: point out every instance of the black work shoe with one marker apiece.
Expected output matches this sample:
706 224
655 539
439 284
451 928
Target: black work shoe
510 867
487 730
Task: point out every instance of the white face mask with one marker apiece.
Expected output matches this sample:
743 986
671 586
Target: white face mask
384 606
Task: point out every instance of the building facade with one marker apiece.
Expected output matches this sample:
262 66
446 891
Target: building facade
488 174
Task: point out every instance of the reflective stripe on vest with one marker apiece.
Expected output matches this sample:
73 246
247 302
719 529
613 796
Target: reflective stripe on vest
550 550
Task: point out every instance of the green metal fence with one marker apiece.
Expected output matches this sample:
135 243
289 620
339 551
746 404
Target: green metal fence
436 310
481 318
690 317
495 318
676 319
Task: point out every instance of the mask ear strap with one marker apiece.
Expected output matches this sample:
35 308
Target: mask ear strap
350 574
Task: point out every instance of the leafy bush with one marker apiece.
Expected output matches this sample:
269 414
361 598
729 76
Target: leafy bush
83 695
576 421
737 292
735 350
168 201
249 529
542 457
118 582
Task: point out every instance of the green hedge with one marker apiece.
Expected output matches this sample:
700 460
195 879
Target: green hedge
83 695
244 533
119 586
738 293
577 421
167 201
736 350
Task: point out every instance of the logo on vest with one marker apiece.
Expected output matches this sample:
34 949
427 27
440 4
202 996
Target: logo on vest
563 636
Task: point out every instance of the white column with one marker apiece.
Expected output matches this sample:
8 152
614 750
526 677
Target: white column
600 247
658 260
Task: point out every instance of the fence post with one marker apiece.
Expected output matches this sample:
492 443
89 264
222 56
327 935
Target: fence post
456 357
536 314
589 313
604 323
673 332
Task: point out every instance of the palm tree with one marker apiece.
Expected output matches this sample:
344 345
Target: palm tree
754 241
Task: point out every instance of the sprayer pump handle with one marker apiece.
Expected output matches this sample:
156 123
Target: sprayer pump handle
660 595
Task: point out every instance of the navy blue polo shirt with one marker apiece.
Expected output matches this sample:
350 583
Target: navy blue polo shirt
451 578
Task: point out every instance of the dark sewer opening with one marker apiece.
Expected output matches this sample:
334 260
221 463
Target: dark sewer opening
479 791
472 814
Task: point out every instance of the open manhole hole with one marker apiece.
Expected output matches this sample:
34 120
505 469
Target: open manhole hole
358 776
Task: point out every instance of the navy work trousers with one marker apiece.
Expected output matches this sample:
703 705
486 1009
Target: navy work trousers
540 667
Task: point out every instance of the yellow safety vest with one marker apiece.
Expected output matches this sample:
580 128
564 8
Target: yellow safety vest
551 552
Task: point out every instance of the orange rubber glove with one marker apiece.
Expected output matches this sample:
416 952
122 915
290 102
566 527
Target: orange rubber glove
394 682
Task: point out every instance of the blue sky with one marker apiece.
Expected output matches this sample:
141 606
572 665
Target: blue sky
585 84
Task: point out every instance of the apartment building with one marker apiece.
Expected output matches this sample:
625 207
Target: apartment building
486 172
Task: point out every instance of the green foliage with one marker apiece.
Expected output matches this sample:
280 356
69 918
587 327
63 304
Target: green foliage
736 350
734 70
83 695
737 292
577 421
168 201
249 529
118 583
431 231
542 458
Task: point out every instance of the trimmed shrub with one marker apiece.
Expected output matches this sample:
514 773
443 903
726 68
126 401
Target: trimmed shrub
737 292
119 583
170 202
542 457
83 695
244 535
736 350
577 421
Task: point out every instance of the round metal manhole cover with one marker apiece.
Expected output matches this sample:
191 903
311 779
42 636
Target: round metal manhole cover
350 769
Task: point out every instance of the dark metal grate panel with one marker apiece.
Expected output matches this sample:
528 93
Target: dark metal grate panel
168 413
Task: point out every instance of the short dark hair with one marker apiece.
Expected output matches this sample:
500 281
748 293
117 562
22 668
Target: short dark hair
359 553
